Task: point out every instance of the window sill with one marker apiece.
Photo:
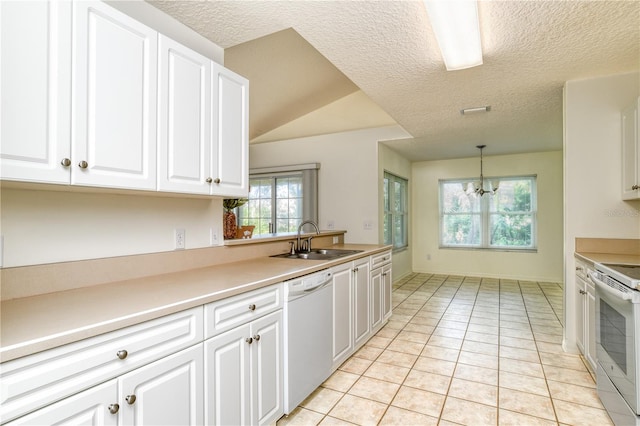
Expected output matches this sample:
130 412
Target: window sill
504 249
286 236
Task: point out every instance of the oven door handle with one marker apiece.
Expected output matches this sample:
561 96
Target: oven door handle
608 289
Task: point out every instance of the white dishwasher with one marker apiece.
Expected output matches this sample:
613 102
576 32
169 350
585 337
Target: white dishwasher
308 321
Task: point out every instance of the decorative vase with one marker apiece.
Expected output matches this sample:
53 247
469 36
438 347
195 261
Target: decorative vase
229 224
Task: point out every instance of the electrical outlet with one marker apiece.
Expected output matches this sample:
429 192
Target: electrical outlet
367 225
180 239
336 240
213 237
428 256
331 224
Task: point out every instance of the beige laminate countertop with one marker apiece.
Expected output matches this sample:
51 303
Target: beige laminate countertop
33 324
632 259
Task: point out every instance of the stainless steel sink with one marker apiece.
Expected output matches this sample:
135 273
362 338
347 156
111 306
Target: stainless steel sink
319 254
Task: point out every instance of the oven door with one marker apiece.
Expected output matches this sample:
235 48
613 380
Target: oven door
616 338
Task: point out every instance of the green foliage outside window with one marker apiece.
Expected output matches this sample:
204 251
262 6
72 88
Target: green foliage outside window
506 219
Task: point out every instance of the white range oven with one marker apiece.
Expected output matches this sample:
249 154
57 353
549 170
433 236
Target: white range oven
618 340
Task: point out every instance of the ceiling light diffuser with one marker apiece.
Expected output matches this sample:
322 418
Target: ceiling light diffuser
457 29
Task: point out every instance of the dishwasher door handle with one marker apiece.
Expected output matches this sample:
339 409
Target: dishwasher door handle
318 287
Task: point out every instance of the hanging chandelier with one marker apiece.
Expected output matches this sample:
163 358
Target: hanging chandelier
479 187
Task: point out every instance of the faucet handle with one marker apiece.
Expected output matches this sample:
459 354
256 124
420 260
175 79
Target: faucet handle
292 249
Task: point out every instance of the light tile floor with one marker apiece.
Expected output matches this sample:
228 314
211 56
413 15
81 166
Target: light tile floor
461 350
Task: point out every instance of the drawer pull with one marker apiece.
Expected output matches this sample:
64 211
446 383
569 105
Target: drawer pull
249 340
256 337
113 408
122 354
130 399
252 307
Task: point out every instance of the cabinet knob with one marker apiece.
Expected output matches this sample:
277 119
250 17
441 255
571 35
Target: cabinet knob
216 180
122 354
634 187
583 292
113 408
256 337
83 164
355 269
252 307
249 340
578 268
130 399
65 162
209 180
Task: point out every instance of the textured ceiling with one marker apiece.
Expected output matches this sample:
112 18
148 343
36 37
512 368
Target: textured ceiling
387 49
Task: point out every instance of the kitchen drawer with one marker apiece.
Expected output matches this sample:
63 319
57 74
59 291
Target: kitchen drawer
380 259
40 379
228 313
582 268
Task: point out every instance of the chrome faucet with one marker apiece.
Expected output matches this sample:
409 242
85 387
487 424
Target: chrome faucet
300 248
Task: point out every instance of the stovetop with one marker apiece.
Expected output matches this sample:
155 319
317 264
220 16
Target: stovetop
631 271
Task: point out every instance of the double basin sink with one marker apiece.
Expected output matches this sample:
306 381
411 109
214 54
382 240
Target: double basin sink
319 254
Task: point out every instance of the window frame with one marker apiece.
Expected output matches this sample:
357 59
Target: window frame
308 173
388 188
485 214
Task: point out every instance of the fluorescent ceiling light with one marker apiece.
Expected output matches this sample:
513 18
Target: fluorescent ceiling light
475 110
455 24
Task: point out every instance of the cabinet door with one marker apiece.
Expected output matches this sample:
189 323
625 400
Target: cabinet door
580 295
167 392
228 378
362 274
387 291
630 152
91 407
376 285
230 153
342 312
184 121
267 369
114 110
35 105
590 344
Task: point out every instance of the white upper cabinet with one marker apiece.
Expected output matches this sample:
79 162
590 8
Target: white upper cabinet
114 99
91 97
230 155
184 121
35 94
631 152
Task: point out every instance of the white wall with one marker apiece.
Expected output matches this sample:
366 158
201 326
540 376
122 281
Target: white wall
347 179
544 265
592 165
50 226
392 162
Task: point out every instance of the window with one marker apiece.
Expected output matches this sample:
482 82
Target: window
280 199
396 213
506 220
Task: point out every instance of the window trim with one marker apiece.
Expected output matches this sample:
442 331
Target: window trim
485 216
392 177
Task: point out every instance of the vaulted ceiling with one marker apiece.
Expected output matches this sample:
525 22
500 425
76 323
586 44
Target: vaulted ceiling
327 66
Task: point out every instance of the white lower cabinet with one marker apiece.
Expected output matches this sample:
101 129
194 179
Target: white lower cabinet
244 373
357 307
91 407
342 313
585 302
381 287
361 277
166 392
